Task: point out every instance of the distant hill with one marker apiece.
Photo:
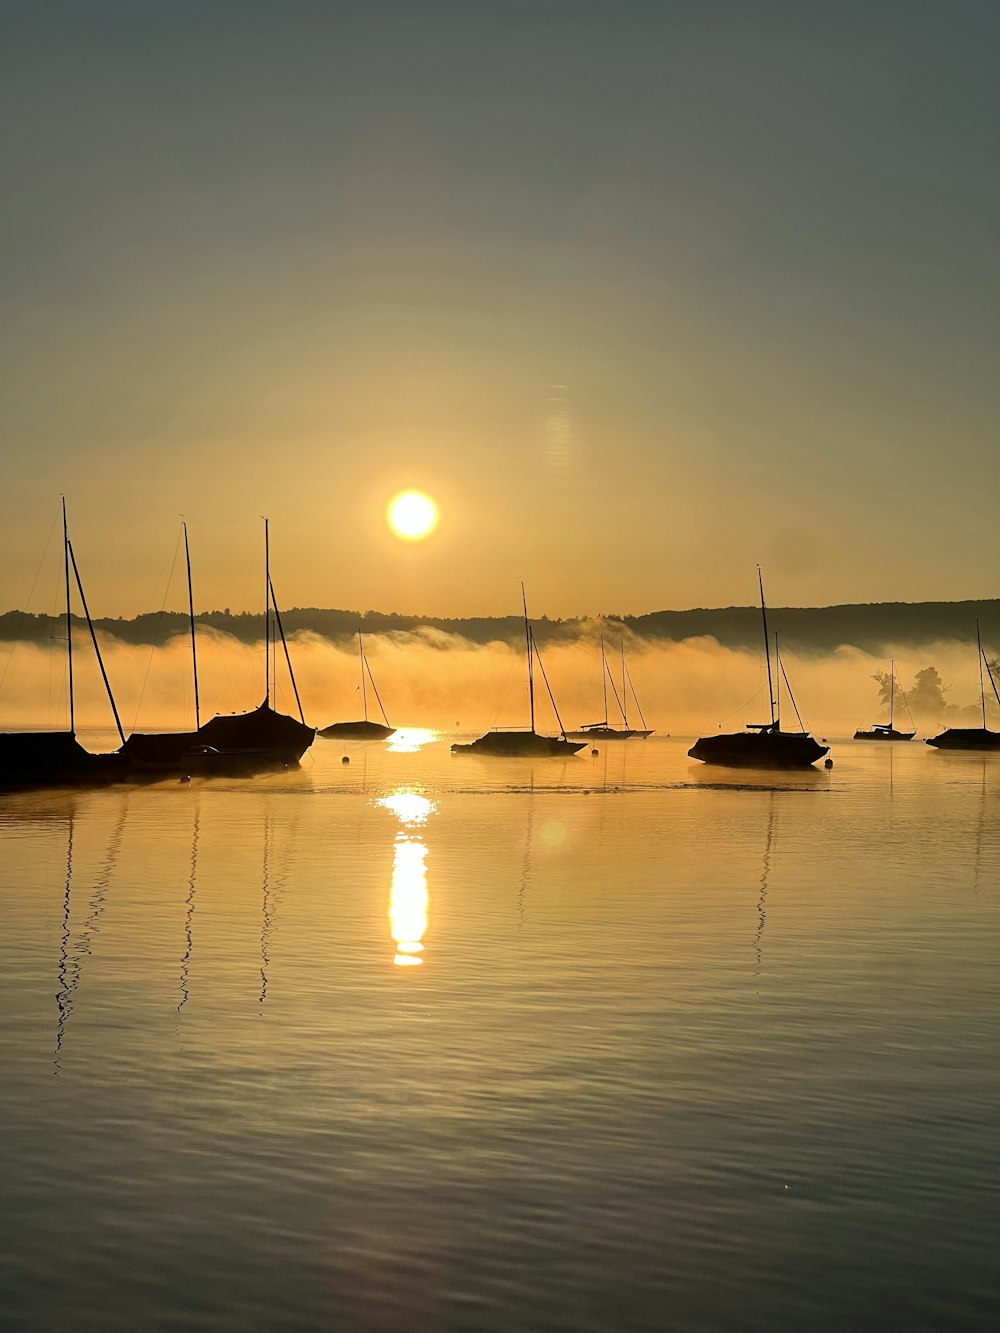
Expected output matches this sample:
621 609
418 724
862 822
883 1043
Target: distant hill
869 626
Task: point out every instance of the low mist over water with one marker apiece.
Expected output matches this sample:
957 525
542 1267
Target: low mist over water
430 678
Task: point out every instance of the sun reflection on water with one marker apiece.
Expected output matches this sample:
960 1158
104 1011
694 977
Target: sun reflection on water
408 898
408 740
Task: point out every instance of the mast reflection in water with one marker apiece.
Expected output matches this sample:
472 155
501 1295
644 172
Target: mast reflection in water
408 899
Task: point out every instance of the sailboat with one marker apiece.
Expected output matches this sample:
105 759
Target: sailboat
230 745
885 731
529 743
763 744
603 730
643 732
363 729
56 758
972 738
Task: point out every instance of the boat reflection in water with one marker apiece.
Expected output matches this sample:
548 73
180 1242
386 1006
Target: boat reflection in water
408 899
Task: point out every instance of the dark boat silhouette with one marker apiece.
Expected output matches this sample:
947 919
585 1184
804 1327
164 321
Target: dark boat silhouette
966 738
603 730
518 743
363 729
763 744
885 731
972 738
56 758
229 745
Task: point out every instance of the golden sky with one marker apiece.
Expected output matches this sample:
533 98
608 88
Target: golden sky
640 294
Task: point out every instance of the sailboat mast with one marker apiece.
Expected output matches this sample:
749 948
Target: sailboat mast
892 688
527 644
982 686
194 647
69 624
767 646
364 693
604 680
267 615
624 690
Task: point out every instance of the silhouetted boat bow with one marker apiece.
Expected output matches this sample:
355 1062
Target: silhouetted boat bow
885 731
525 743
763 744
234 744
364 729
56 758
972 738
603 730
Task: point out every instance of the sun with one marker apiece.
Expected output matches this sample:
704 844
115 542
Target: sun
412 515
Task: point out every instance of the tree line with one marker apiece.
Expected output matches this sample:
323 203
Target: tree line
872 627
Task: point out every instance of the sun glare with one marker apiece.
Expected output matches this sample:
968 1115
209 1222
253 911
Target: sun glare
412 515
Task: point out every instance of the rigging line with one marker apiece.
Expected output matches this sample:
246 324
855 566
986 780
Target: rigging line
552 698
604 681
157 633
222 662
371 679
97 649
586 710
906 704
621 646
528 643
628 677
758 692
767 646
69 620
715 696
364 692
989 672
500 701
194 643
251 567
791 696
284 644
614 691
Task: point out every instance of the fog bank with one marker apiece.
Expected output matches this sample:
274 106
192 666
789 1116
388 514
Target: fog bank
429 678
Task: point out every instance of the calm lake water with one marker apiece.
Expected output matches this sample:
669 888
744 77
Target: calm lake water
435 1042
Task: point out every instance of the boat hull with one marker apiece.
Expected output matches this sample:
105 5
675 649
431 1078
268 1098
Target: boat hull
31 759
520 744
361 731
966 738
237 745
603 734
759 749
884 734
262 730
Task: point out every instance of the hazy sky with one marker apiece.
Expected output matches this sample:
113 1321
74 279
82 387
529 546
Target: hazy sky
641 293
